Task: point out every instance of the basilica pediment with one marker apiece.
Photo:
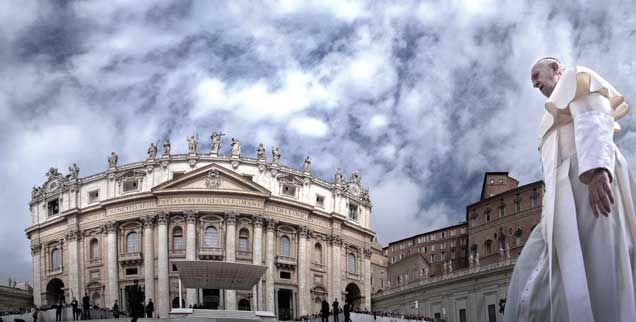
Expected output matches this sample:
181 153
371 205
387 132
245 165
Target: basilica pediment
212 178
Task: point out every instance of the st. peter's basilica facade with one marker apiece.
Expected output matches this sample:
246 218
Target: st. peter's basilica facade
98 234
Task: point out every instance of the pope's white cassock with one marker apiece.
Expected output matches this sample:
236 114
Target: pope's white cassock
577 267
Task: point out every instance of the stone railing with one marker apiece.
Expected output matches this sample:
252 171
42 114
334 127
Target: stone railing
353 276
286 261
447 276
177 252
55 270
319 267
243 254
207 252
131 258
94 262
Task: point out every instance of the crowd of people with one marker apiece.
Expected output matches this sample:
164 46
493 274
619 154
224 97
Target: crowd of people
347 309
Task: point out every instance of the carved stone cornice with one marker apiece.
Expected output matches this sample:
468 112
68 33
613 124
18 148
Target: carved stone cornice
191 217
36 248
230 218
162 218
72 235
302 231
111 227
367 253
258 221
149 221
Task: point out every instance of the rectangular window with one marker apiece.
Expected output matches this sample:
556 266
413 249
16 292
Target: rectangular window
320 201
93 196
131 271
433 247
177 174
248 177
353 212
462 315
425 249
289 190
442 256
442 246
243 244
492 313
534 201
285 275
501 211
452 254
132 185
443 235
53 207
432 258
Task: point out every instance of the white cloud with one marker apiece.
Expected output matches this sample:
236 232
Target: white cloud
309 126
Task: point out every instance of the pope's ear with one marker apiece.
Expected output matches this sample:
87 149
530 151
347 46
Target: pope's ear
555 67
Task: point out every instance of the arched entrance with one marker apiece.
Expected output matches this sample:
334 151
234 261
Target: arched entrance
353 295
244 305
175 302
55 291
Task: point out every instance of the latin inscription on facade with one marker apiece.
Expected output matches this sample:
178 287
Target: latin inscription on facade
286 211
221 201
131 207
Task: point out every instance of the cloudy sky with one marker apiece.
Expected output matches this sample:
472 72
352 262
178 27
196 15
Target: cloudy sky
423 96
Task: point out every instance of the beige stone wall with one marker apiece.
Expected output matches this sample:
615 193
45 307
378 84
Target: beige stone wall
12 299
188 203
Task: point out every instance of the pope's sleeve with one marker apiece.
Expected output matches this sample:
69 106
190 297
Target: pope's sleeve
593 134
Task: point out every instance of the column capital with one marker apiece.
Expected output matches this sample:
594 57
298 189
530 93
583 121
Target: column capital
230 218
191 217
271 225
36 248
149 221
302 231
367 253
110 227
162 218
73 235
258 220
335 240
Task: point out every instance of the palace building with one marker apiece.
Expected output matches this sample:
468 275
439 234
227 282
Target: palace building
99 233
461 273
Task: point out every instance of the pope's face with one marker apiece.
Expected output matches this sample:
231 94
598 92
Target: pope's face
545 76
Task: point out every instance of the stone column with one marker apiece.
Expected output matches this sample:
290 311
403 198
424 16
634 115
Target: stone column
230 255
269 261
73 237
257 259
37 286
149 260
336 242
367 278
112 289
162 266
303 293
191 252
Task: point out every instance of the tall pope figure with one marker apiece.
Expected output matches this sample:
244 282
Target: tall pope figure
579 264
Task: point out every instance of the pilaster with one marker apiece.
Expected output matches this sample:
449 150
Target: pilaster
367 278
112 289
37 283
72 237
149 259
230 255
269 261
162 265
257 258
302 270
191 245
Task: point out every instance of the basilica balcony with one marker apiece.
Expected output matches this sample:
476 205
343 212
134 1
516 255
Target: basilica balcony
353 276
94 262
55 270
285 261
177 253
318 267
242 254
131 258
215 253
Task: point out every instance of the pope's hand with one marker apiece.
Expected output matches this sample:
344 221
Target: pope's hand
600 191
